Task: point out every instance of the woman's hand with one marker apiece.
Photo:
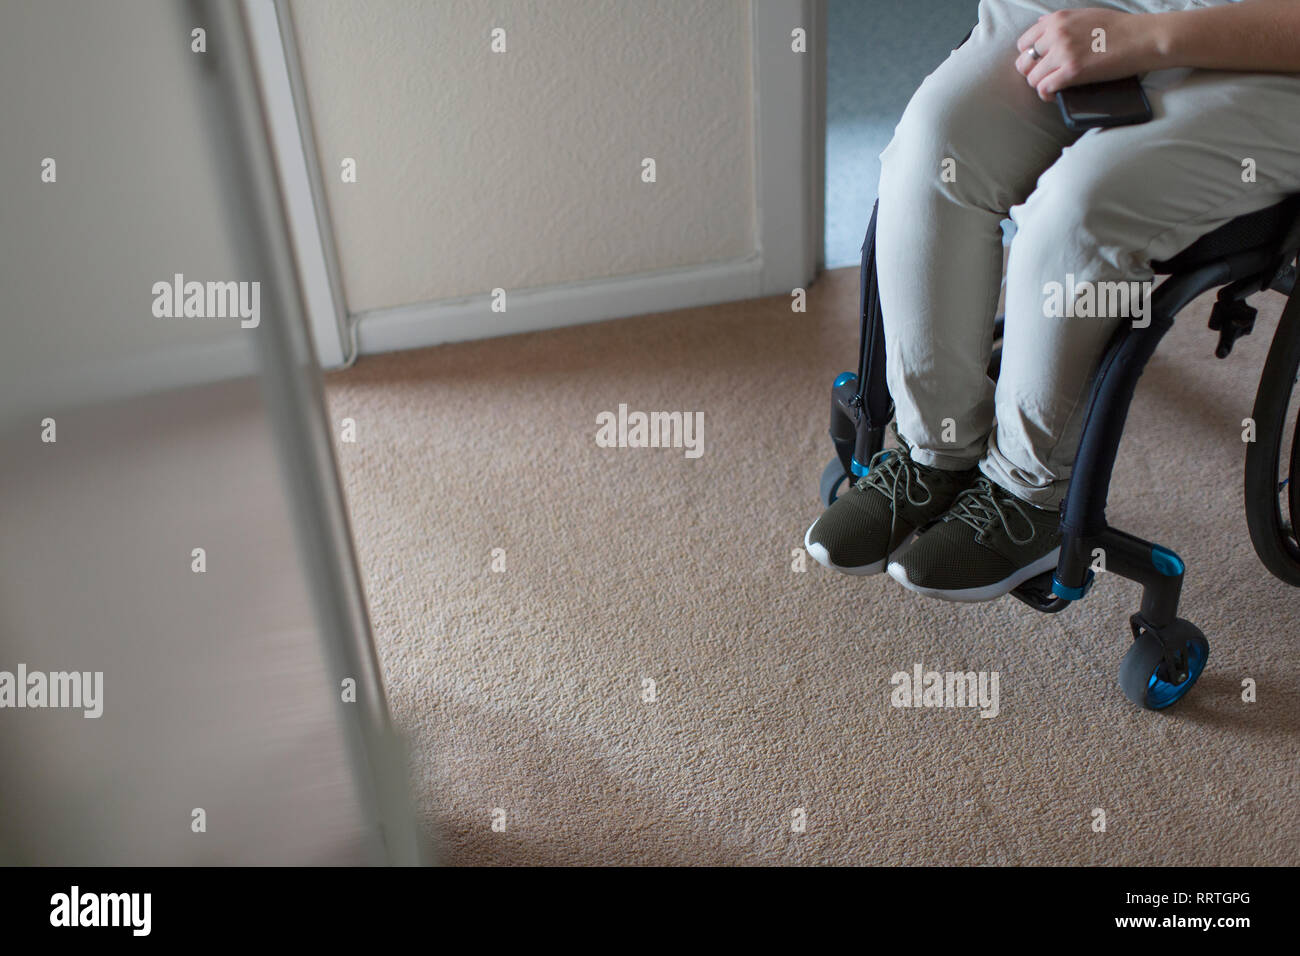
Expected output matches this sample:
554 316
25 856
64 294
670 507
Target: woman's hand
1070 47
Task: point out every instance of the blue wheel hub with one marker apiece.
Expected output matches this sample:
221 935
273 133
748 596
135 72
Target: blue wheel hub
1161 693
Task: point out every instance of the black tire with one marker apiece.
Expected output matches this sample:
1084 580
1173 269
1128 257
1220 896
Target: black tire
832 477
1277 547
1142 672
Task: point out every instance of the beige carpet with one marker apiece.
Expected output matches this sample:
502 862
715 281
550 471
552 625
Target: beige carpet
523 690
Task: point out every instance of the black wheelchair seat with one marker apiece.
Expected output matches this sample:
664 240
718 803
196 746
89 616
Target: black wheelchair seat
1263 231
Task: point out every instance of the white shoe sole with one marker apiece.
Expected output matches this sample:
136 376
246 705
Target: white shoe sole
987 593
822 556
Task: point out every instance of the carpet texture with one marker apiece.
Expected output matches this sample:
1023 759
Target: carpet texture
524 690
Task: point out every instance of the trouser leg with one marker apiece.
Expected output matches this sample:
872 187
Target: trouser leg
1221 145
971 144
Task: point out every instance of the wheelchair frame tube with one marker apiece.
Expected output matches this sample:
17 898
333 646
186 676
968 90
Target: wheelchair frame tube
1158 570
872 385
1083 516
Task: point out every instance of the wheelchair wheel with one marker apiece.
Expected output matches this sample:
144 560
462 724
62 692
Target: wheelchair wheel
1273 468
833 478
1144 674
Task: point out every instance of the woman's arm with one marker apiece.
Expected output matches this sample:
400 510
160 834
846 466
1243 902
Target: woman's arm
1063 49
1262 36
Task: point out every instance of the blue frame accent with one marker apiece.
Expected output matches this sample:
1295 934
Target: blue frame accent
1072 594
860 469
1166 562
844 377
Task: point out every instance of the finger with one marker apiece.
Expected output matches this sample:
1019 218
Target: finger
1053 83
1050 85
1025 62
1043 66
1030 36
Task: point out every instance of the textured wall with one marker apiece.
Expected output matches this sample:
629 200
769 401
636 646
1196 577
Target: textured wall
519 169
107 91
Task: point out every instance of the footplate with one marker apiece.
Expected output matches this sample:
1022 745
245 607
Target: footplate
1037 593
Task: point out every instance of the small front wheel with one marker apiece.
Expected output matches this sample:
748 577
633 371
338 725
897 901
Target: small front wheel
1148 679
833 477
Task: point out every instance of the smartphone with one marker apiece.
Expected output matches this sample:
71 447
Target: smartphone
1100 105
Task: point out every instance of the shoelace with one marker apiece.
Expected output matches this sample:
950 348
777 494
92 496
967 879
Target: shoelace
979 507
885 478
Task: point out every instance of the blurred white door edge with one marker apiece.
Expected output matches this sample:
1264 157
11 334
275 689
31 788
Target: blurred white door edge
258 220
788 127
288 124
178 532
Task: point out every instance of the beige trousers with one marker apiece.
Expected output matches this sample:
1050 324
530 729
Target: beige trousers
975 146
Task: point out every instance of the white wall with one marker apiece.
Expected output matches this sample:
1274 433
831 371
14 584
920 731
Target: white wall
522 169
106 90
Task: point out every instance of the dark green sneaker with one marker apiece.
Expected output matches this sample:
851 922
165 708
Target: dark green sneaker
989 543
874 518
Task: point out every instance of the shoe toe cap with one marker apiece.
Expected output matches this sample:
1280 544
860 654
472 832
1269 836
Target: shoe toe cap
944 562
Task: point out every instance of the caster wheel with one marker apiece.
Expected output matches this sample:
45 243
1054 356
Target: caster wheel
1144 674
833 478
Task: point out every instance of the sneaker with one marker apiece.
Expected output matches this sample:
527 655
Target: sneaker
989 543
874 518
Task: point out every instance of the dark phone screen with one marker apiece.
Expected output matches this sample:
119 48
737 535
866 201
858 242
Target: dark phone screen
1112 103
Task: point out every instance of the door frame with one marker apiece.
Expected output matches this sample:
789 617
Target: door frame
788 93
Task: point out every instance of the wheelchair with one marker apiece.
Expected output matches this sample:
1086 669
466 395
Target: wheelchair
1245 256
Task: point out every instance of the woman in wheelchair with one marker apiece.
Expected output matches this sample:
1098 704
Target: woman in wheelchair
967 507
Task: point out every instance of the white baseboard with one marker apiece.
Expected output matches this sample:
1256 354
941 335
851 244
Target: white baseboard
575 303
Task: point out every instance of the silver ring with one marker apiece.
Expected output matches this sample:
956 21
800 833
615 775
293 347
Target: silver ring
1033 51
